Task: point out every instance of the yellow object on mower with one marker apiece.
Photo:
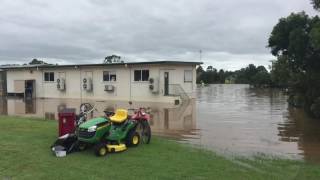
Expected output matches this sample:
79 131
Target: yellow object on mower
120 116
116 148
103 149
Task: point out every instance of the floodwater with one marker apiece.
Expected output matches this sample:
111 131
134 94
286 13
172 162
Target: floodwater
230 119
237 119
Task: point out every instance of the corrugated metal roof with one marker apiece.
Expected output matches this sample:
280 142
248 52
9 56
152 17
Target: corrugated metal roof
109 64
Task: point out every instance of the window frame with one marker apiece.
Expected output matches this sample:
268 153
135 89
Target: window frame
184 76
110 73
51 74
141 75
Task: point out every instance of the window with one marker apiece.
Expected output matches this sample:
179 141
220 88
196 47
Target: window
49 76
109 76
188 76
145 75
141 75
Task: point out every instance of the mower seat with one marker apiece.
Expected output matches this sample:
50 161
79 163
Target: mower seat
120 116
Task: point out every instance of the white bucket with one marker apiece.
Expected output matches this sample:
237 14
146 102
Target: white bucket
61 153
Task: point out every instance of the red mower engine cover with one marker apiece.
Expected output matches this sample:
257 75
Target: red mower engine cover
67 121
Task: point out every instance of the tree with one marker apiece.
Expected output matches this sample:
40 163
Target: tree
244 75
315 36
257 76
200 73
199 69
316 4
261 77
295 40
280 72
296 37
211 75
221 76
112 59
210 68
251 70
36 61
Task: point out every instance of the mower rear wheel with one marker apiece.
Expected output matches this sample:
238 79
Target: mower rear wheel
144 130
101 149
133 139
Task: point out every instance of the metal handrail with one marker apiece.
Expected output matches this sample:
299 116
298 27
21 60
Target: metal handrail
179 91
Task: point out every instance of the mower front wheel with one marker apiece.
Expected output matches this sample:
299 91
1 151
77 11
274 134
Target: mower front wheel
82 146
101 149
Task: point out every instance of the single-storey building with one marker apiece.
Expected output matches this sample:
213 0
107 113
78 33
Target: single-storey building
156 81
2 82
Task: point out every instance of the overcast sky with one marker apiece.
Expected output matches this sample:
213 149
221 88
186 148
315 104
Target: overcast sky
230 33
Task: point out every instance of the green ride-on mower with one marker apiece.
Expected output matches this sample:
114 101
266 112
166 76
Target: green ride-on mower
115 132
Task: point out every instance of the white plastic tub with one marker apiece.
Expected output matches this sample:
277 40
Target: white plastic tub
61 153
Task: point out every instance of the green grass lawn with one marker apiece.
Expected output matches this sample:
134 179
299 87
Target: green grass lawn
25 154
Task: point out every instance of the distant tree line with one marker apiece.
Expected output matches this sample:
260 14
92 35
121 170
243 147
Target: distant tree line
257 76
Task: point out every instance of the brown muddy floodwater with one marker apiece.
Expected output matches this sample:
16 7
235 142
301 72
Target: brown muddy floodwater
230 119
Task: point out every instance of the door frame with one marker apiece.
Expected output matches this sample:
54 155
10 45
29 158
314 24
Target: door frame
166 78
33 93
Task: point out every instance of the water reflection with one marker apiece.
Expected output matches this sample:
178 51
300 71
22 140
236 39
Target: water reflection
231 119
302 130
166 119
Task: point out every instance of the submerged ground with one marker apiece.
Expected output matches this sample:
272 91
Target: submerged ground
25 154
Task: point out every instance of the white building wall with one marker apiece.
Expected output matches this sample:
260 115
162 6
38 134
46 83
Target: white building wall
125 86
13 75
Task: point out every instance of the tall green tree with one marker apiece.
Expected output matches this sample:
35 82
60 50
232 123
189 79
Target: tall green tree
297 38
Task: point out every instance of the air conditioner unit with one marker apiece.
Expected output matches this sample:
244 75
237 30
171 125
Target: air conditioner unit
154 85
61 85
87 84
109 88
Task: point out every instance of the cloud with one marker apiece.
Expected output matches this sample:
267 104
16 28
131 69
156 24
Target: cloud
231 34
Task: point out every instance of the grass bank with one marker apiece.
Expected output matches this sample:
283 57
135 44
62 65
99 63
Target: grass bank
25 154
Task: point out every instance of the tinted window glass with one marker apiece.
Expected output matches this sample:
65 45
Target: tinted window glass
51 76
46 76
106 76
145 75
137 75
